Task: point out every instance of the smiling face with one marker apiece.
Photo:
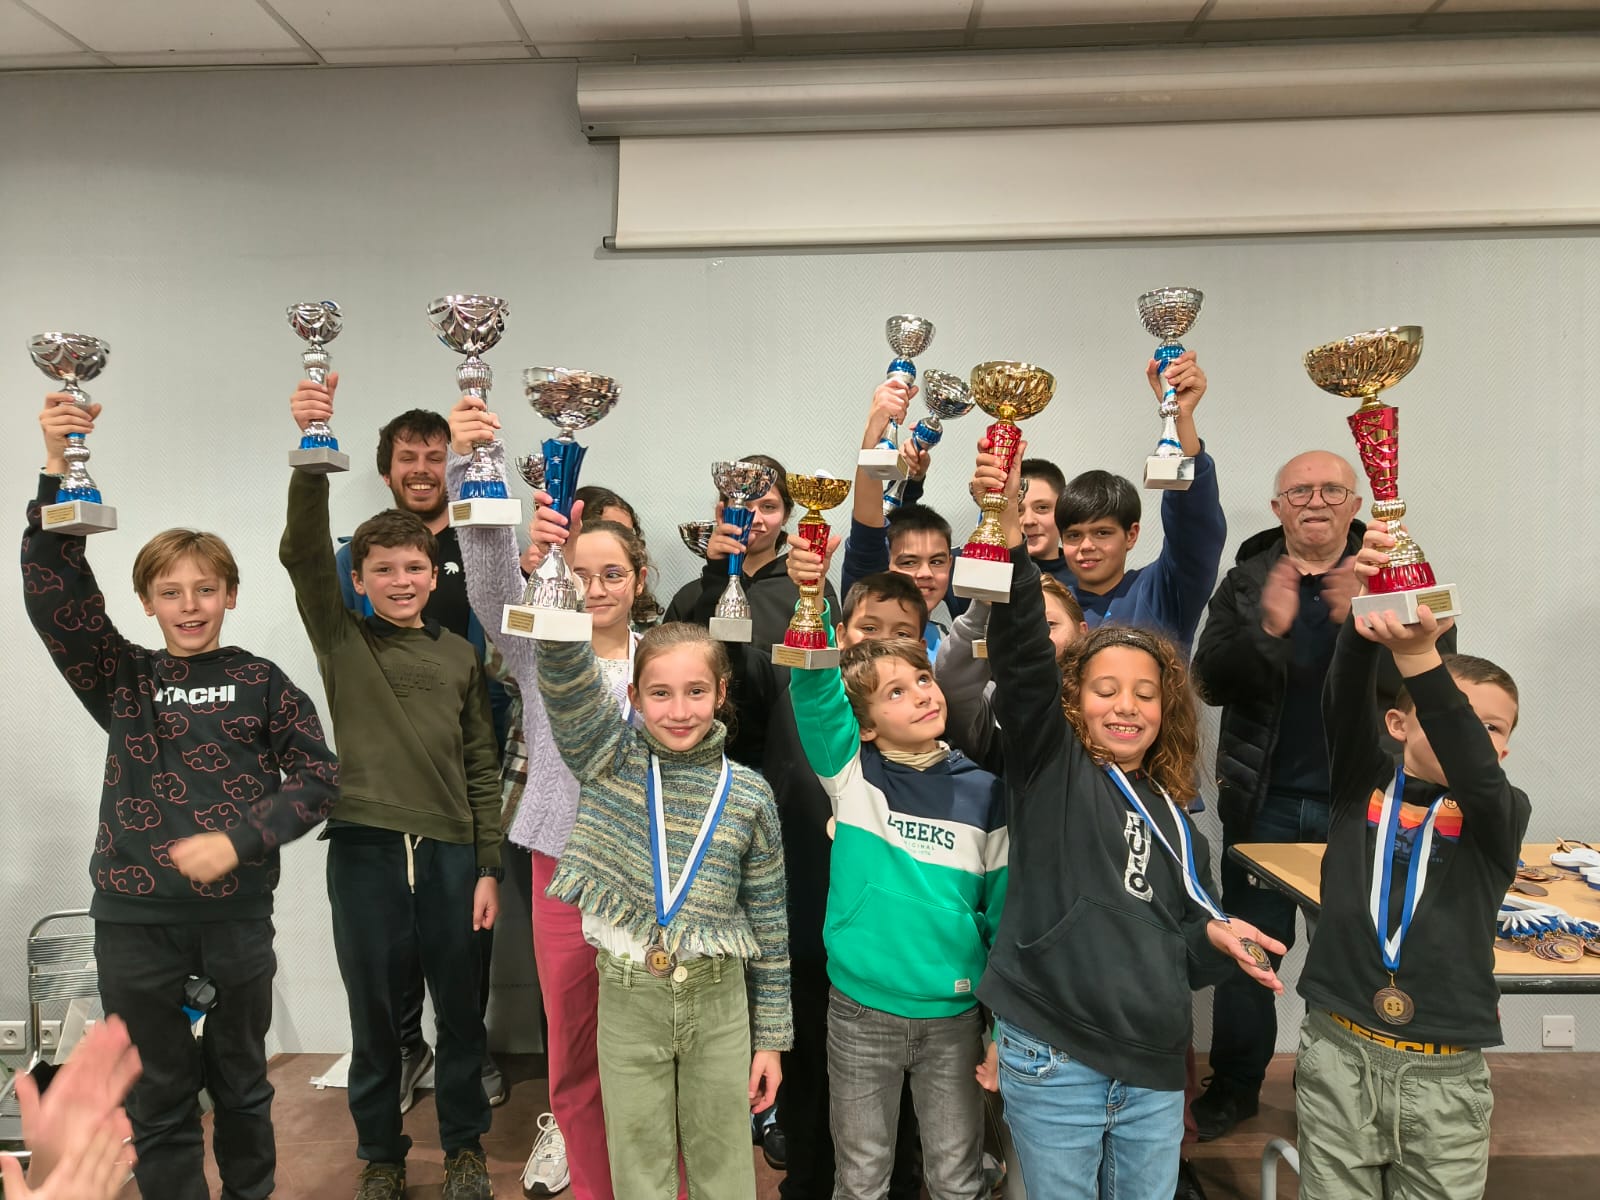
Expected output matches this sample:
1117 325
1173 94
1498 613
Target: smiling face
1097 552
416 476
678 695
188 600
905 710
611 584
924 555
1121 702
397 581
1039 519
1318 530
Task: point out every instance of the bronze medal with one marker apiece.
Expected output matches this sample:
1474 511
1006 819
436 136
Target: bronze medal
1257 954
1534 875
1592 946
1528 889
1511 945
1394 1006
1564 949
658 962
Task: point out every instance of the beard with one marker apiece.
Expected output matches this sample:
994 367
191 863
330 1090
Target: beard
426 509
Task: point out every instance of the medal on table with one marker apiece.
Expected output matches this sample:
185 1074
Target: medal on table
669 896
1392 1004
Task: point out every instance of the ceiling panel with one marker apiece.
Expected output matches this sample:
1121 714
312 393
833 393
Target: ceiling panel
153 26
23 33
487 52
627 20
696 47
1010 14
35 62
1255 10
213 58
777 18
364 23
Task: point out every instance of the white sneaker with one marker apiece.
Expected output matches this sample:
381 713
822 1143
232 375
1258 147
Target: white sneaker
546 1171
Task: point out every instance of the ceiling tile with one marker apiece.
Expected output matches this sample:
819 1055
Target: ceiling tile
22 33
627 20
155 26
487 52
771 18
213 58
1254 10
364 23
1010 14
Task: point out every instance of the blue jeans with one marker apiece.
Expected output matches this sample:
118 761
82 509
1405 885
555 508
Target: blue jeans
1081 1135
1244 1015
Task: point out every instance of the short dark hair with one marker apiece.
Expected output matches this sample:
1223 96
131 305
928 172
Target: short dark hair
915 518
1468 668
417 425
885 585
782 482
597 499
1043 468
1096 494
390 529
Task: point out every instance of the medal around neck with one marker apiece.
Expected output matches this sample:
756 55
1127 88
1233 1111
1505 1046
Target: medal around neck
740 484
1360 367
805 643
317 322
1391 1003
1009 392
1168 313
472 325
551 608
947 397
908 337
70 359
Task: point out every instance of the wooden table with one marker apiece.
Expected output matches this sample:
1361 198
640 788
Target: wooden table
1295 868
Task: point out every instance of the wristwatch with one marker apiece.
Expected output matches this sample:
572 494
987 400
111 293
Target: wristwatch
497 874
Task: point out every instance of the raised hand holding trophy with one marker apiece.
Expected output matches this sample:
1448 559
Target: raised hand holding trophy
1359 367
1168 313
739 484
572 400
805 642
71 358
1009 392
317 322
908 337
947 397
471 325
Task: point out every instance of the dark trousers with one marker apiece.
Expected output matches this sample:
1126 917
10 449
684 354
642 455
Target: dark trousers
803 1101
382 923
1244 1018
143 969
411 1000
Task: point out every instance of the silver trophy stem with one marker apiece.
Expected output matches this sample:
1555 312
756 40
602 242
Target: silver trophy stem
1168 405
317 360
77 450
553 585
474 378
1169 446
734 603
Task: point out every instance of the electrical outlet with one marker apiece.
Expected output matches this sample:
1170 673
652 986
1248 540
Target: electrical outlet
13 1034
50 1034
1560 1033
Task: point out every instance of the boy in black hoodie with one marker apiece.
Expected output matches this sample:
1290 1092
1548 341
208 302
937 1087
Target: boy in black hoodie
1399 982
214 760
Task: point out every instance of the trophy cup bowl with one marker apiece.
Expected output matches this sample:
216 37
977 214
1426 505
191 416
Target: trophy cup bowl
71 359
470 325
317 322
738 483
947 396
1359 367
1009 392
570 400
908 337
696 535
1167 313
805 642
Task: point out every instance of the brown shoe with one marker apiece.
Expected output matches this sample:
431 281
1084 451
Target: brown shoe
382 1181
466 1176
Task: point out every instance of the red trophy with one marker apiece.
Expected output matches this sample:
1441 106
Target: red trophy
805 642
1359 367
1008 392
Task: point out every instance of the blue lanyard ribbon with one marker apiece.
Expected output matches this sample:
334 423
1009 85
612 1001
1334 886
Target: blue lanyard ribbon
1383 870
670 896
1186 865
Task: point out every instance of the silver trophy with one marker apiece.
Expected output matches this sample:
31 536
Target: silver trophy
739 483
317 322
696 536
551 608
72 358
471 325
947 397
1168 313
908 337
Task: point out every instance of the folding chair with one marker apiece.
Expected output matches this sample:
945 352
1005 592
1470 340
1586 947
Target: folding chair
61 969
1276 1148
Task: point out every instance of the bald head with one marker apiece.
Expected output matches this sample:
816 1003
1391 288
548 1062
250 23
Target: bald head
1323 465
1317 531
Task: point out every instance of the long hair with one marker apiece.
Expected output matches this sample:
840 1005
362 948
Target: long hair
644 609
1173 760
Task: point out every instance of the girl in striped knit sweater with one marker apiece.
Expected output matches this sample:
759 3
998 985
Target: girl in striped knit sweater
676 862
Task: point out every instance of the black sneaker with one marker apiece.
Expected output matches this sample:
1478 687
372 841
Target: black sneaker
382 1181
1221 1107
414 1064
1188 1183
775 1148
466 1176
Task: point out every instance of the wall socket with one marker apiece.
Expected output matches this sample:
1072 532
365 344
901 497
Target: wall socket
14 1033
1560 1033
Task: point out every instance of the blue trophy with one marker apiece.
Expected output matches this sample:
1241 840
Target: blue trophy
317 322
1168 313
947 397
908 337
739 484
471 325
71 358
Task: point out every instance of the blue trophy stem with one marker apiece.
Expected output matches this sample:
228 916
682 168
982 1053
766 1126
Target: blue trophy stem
742 517
562 458
1165 354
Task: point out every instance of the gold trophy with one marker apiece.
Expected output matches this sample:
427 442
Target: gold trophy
1359 367
805 642
1009 392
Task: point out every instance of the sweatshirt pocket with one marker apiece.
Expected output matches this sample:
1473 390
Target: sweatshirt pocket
907 947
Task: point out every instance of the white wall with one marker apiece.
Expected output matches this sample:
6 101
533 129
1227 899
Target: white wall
176 215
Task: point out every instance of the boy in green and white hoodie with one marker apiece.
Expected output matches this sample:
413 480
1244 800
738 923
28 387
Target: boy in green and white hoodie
917 882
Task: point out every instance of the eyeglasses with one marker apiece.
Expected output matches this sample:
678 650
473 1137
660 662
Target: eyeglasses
1333 494
611 578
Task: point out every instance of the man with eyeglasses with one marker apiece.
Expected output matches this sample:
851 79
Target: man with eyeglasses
1267 642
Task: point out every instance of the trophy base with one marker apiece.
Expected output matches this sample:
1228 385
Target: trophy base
883 465
78 516
980 579
805 660
1168 474
546 624
1442 600
732 629
319 460
506 513
980 648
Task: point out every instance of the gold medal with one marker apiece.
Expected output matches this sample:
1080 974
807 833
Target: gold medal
1254 950
1394 1006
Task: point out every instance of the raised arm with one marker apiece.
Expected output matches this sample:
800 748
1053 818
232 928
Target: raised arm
964 678
763 896
584 719
492 562
829 733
